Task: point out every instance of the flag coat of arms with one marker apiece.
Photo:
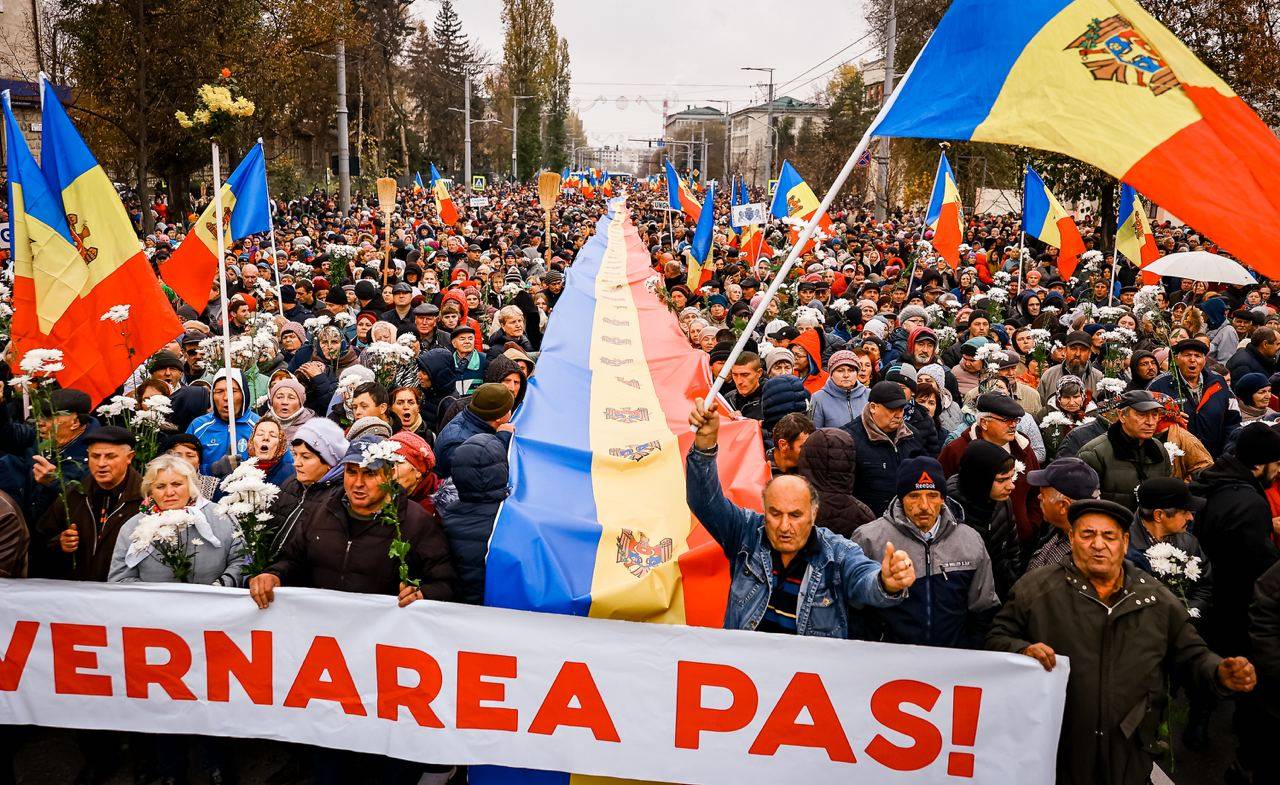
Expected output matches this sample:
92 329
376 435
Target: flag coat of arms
76 256
246 210
945 216
794 199
1103 82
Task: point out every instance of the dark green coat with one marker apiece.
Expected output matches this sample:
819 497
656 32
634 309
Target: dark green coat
1122 463
1119 659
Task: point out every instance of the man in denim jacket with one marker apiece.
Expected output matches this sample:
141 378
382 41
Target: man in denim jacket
789 576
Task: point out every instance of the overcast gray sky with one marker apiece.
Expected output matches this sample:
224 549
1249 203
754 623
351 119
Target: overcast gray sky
687 51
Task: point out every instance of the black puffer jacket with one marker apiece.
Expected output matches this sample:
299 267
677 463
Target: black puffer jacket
1234 529
296 503
480 477
828 460
334 550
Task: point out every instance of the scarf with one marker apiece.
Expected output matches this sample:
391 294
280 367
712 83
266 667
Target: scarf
471 372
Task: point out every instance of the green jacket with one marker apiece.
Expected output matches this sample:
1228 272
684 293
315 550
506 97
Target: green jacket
1119 657
1122 463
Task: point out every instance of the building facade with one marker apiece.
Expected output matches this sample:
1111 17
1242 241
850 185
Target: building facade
750 138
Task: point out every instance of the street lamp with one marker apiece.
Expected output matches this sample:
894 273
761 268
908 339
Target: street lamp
515 131
768 109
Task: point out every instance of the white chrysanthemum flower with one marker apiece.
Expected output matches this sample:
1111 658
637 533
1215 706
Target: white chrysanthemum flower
116 313
997 294
384 451
117 406
1109 386
21 382
1110 313
1018 468
343 319
1192 570
1056 419
1193 613
1175 452
842 305
158 403
41 361
316 322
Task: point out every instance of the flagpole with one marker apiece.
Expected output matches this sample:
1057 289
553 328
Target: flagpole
271 228
1111 287
781 275
226 320
1022 230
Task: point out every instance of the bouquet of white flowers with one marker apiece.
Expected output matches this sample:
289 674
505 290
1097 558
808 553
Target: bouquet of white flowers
1175 569
167 535
386 359
248 501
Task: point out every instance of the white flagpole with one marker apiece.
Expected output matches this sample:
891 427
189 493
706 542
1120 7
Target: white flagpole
271 228
226 319
1022 232
781 275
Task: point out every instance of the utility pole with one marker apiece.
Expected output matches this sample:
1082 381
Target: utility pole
891 44
515 132
725 164
466 136
344 151
768 122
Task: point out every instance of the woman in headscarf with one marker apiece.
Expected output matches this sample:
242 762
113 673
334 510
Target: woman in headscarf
414 474
1066 408
269 451
286 405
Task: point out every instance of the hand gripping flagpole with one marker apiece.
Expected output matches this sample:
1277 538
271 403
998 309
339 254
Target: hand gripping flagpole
271 233
781 276
226 320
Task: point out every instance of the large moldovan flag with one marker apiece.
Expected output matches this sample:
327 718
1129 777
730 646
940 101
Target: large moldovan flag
76 255
445 207
1104 82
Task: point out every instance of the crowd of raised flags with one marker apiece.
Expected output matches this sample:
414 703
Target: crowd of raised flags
413 353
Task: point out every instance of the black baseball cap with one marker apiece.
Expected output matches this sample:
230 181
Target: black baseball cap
1168 493
1070 477
888 394
1078 337
1139 401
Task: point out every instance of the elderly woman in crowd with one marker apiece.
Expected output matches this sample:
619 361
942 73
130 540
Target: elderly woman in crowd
287 406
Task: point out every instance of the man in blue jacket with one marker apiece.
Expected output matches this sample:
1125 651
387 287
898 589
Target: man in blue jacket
488 412
212 429
1212 410
796 578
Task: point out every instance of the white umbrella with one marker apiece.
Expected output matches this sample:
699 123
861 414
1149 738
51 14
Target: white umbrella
1201 266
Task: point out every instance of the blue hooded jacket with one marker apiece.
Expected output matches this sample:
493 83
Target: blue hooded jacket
480 478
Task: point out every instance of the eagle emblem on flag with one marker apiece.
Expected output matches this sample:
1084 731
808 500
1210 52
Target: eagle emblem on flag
639 556
630 414
636 452
1114 52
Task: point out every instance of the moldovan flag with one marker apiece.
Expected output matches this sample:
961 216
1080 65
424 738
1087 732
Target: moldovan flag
680 197
944 215
606 421
1134 238
418 187
193 268
794 199
76 256
445 207
1104 82
1044 218
700 259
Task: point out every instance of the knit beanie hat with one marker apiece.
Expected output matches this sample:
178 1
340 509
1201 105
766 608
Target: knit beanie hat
289 383
323 437
415 450
491 401
912 311
1258 443
367 428
842 357
921 474
1249 384
776 356
979 465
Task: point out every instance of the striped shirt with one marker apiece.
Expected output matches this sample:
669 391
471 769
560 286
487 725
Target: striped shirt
784 593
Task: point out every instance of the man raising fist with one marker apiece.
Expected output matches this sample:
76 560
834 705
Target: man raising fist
786 552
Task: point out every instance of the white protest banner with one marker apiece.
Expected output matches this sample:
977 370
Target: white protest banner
458 684
749 214
478 201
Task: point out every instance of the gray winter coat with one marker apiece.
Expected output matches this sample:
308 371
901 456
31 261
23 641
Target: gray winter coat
215 544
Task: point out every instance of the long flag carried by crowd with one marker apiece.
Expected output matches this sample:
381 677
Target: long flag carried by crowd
606 424
1104 82
680 196
193 268
76 257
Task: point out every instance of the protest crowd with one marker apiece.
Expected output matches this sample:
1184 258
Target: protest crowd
985 456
